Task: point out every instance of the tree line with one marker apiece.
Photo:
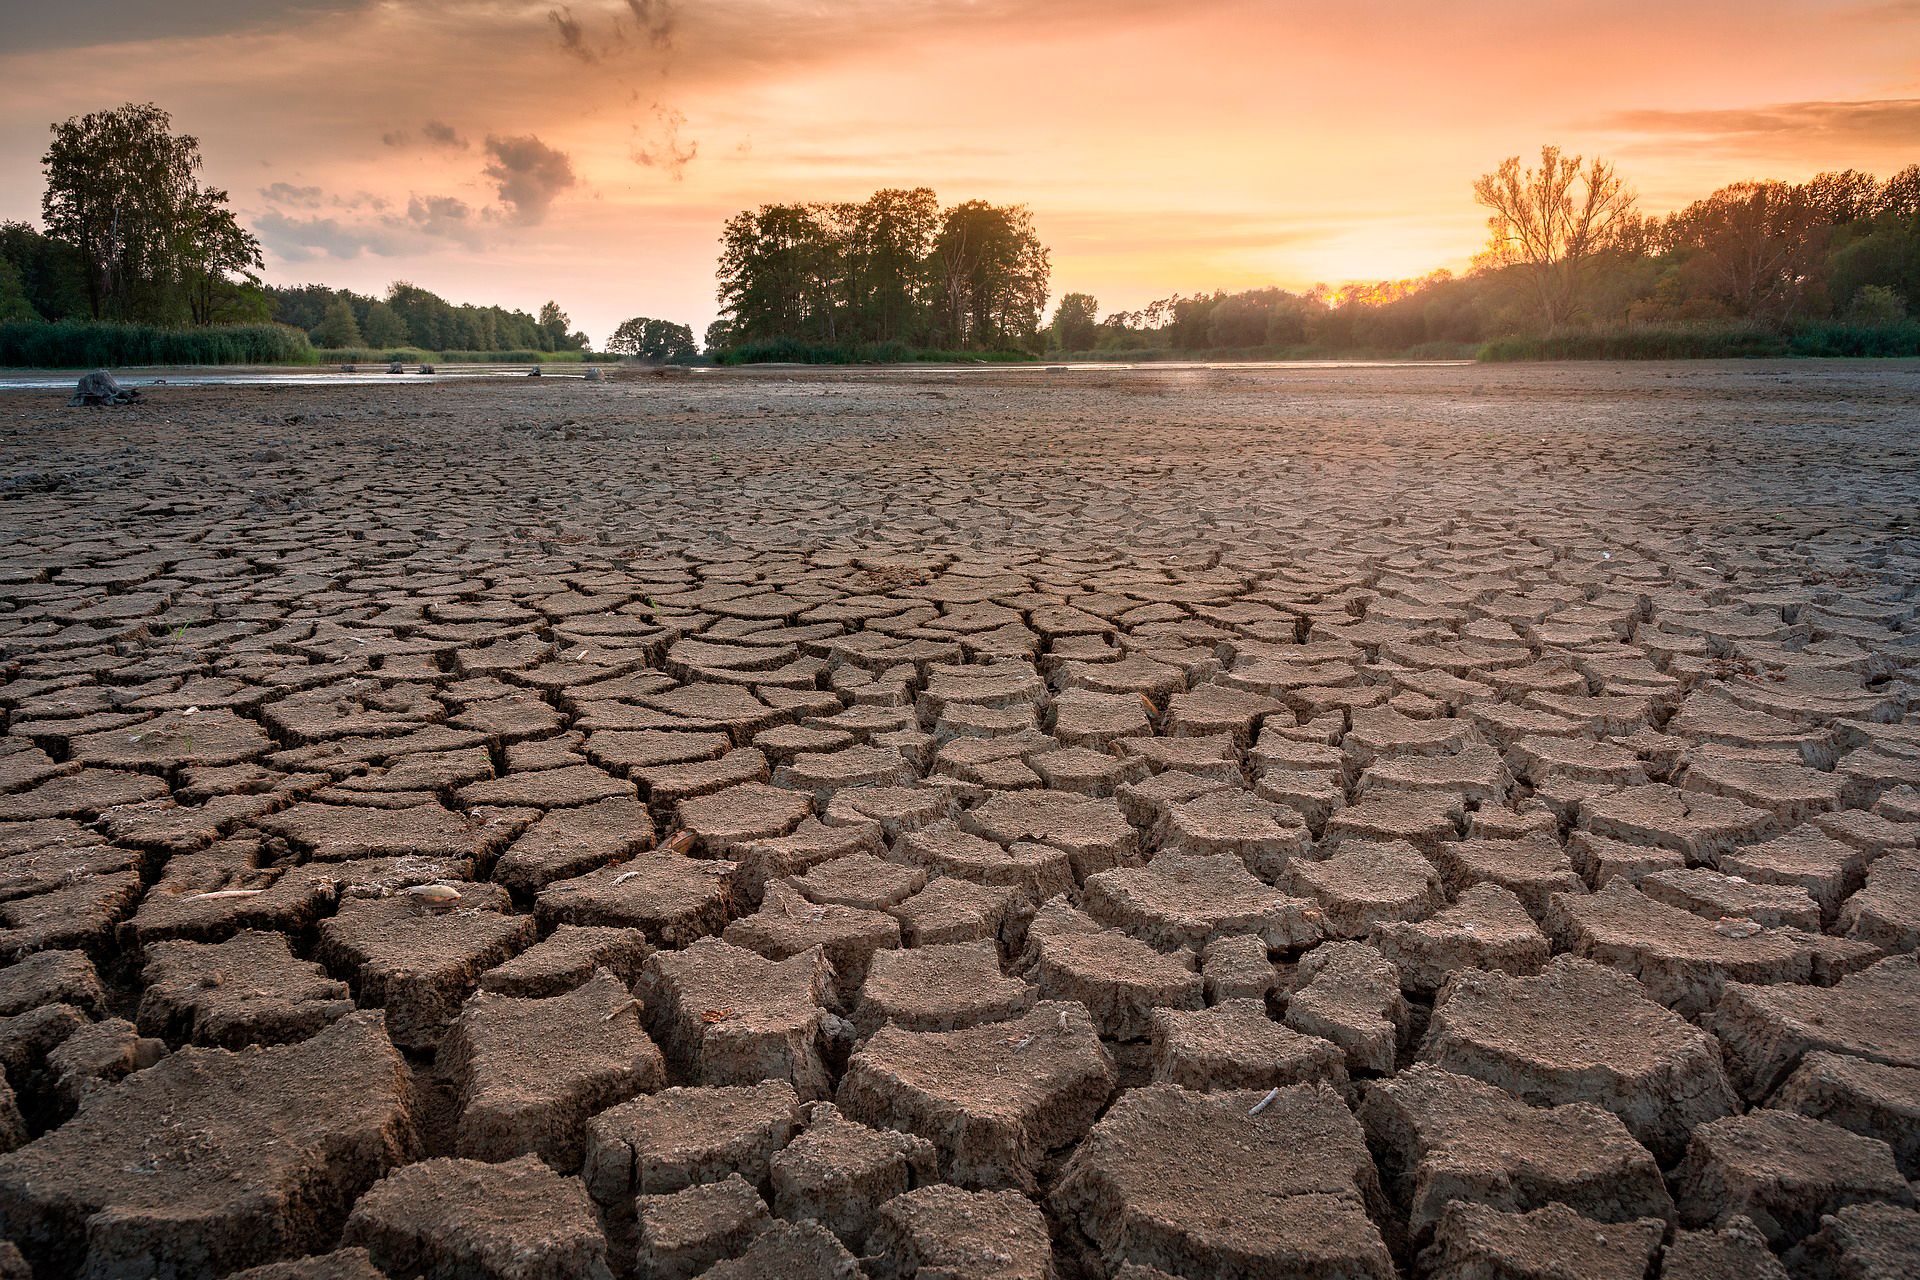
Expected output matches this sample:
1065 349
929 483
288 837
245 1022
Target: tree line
410 316
1569 252
893 271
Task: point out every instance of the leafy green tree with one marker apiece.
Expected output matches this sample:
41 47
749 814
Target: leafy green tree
1075 325
553 326
210 248
51 273
337 328
658 340
991 277
890 237
13 295
122 189
1877 304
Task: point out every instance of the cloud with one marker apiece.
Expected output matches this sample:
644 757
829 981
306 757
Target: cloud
284 193
439 133
658 145
529 174
429 222
573 36
447 217
654 19
303 239
433 133
1888 122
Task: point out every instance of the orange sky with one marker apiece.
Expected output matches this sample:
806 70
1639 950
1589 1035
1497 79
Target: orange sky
1163 146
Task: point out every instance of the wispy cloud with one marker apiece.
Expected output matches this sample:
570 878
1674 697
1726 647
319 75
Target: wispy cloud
1882 122
657 144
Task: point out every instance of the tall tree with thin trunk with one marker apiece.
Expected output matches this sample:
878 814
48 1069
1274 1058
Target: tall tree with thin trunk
1551 223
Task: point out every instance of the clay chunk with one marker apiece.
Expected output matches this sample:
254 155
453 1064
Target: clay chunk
993 1099
1237 1184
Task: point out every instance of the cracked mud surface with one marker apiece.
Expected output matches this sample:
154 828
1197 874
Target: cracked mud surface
1420 821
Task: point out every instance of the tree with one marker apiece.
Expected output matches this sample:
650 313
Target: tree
1838 198
13 295
719 337
211 247
1550 223
337 327
1757 247
992 276
383 327
774 262
1075 325
1877 304
122 190
890 237
657 340
51 273
1900 197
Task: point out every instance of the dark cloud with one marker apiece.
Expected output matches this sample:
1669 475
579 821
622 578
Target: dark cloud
573 36
433 133
285 193
529 174
1886 122
439 133
654 19
658 145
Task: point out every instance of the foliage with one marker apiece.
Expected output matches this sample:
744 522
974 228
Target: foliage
82 344
418 355
1076 323
416 317
13 295
893 268
792 351
1828 266
1712 342
658 340
337 327
1551 223
152 244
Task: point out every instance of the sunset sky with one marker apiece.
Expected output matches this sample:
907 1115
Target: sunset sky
509 152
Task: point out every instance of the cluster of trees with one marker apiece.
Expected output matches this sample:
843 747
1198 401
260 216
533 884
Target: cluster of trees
410 316
131 234
893 269
661 341
1569 251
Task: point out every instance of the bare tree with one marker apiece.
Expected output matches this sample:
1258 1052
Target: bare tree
1552 222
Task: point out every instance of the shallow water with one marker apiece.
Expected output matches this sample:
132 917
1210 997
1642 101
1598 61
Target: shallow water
269 376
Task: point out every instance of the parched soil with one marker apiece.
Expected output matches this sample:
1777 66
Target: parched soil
1417 821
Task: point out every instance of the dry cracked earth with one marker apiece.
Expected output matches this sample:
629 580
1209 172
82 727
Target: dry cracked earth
1354 823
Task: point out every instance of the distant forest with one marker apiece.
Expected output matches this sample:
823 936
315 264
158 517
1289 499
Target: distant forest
409 316
1571 266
